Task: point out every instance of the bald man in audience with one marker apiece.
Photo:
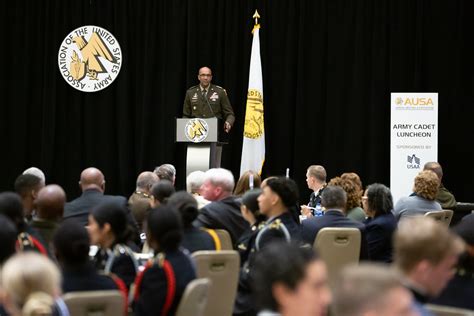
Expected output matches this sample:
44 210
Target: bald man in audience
92 184
139 201
49 212
426 252
28 186
371 290
444 197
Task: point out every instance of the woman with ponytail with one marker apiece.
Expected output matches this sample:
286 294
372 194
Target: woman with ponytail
160 286
31 284
108 230
194 238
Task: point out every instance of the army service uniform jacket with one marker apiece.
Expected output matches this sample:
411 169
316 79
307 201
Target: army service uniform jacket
197 105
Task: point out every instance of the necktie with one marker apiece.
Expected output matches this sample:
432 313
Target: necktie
204 92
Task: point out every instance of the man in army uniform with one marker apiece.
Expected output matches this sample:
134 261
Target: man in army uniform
207 100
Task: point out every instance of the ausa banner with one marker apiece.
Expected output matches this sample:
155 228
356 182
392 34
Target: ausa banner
414 138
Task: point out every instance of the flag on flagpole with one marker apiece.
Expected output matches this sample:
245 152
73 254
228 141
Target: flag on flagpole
253 148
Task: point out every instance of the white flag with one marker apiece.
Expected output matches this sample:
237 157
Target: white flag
253 148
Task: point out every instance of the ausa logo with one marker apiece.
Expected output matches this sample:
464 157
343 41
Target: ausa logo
89 58
413 162
196 130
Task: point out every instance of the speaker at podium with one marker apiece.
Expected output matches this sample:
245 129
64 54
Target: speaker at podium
204 138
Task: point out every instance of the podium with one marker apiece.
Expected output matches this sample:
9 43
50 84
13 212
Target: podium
204 142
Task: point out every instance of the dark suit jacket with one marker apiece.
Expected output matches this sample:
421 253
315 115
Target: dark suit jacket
223 214
332 218
379 237
78 210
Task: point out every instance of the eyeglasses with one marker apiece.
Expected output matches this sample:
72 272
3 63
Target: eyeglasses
205 75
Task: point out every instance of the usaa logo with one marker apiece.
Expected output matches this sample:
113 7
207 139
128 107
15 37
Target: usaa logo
89 58
196 130
413 101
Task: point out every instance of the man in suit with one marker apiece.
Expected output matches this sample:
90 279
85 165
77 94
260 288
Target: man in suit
92 184
208 100
224 210
334 200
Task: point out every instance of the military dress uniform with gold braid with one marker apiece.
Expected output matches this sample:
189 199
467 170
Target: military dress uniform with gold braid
276 229
199 104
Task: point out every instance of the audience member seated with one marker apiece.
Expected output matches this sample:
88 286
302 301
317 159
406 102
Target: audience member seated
8 234
444 197
28 238
36 172
422 200
371 289
160 192
49 212
248 181
194 182
380 224
459 291
28 186
109 231
354 196
316 180
194 239
354 177
166 172
139 202
31 285
426 252
334 200
290 281
251 213
224 211
92 184
71 244
277 196
160 286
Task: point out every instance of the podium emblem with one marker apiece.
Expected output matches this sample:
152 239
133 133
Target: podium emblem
196 130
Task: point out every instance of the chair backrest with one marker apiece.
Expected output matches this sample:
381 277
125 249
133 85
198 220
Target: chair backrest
440 310
338 246
194 300
448 216
222 268
95 303
436 215
226 241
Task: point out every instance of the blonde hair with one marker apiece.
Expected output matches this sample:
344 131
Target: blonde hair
426 185
422 238
31 281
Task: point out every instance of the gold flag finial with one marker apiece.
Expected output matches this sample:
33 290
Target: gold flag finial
256 16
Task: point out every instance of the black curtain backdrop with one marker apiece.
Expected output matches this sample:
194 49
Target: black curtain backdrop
328 69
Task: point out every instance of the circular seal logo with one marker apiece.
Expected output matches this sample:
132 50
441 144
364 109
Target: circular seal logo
254 115
89 58
196 130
